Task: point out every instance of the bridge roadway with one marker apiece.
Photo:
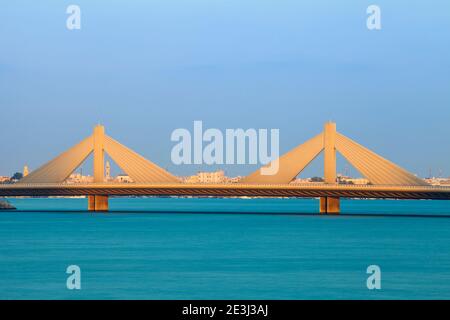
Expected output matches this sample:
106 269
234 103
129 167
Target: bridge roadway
313 190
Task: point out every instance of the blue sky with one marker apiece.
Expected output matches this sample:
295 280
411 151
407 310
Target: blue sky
145 68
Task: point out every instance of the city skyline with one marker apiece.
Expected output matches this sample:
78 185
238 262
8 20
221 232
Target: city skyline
261 66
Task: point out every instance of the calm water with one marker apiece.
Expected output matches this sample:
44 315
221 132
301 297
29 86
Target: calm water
163 249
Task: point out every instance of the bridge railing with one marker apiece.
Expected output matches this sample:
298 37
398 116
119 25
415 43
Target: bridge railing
218 185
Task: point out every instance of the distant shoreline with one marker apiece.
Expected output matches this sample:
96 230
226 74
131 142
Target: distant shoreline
6 206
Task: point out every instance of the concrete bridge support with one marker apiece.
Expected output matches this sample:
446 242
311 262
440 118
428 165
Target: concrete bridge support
98 203
330 205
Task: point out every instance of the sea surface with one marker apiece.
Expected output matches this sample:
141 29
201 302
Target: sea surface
169 248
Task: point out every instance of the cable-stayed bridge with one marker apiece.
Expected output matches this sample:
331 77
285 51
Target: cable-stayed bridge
387 179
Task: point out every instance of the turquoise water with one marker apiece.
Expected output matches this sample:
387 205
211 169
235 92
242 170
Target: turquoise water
161 248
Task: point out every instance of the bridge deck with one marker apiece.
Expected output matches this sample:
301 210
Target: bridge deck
229 190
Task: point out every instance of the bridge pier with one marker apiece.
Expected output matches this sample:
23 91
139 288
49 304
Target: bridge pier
330 205
98 203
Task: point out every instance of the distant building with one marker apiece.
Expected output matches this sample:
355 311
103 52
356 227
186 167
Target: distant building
212 177
349 180
4 179
208 177
79 178
358 181
192 179
123 178
25 171
438 181
233 179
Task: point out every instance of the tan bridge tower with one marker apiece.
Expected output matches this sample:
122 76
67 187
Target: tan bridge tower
330 205
97 202
139 169
375 168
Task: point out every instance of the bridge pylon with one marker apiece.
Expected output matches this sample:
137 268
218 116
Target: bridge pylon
139 169
99 203
330 205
